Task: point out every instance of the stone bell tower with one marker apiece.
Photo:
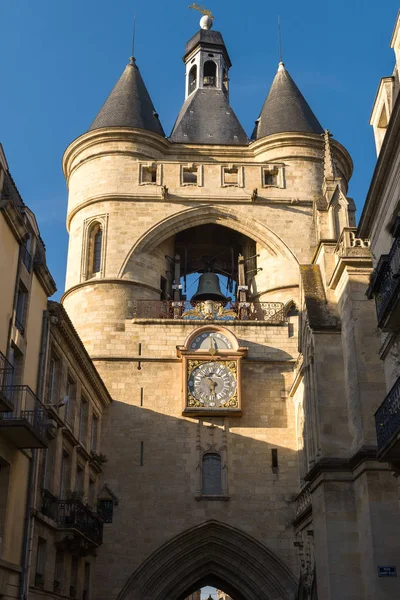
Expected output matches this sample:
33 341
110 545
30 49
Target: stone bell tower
236 461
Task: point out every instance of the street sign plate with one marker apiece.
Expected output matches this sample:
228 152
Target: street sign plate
387 571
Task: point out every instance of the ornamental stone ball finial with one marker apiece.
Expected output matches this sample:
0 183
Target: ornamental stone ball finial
206 22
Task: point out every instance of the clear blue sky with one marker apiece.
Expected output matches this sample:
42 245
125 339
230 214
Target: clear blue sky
61 59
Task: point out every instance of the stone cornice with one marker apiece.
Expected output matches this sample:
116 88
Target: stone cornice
146 145
345 469
386 157
108 280
245 197
67 330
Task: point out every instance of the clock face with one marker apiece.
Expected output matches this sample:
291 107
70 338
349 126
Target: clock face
212 384
211 340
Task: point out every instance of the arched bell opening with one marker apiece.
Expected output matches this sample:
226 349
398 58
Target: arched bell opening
210 74
250 268
216 259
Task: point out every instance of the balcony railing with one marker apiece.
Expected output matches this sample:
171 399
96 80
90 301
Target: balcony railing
73 514
6 376
268 312
387 417
385 285
26 424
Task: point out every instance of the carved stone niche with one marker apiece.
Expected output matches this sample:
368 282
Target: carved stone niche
211 372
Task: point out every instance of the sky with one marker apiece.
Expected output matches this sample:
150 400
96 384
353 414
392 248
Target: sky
60 60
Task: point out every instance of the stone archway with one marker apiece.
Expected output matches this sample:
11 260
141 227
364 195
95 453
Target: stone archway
203 215
215 554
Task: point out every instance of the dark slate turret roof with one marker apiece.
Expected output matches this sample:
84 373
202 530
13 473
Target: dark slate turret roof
207 118
207 39
129 104
285 109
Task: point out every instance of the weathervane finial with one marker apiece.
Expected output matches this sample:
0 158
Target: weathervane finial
206 22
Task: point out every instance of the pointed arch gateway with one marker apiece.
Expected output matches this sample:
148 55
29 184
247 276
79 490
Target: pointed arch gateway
216 554
204 215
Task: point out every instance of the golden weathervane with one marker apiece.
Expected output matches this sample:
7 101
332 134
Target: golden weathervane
202 9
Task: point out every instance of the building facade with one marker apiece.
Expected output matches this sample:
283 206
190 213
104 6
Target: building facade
241 439
380 222
52 507
25 286
70 508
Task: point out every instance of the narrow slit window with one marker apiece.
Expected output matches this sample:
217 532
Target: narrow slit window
190 175
274 460
211 475
97 242
141 458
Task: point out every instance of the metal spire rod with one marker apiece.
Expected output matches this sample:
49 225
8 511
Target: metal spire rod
133 34
280 39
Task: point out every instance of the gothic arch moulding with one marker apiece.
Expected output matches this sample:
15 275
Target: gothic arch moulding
204 215
211 554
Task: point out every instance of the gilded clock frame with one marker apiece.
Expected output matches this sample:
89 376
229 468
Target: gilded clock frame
191 359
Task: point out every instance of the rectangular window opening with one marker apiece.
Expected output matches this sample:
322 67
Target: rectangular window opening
58 572
74 577
86 582
149 174
94 433
270 177
106 509
21 308
40 562
231 176
83 418
190 175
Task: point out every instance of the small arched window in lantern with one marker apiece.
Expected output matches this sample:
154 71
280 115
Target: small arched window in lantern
95 249
210 74
192 79
211 474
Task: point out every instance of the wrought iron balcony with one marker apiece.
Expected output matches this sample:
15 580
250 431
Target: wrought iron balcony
387 420
26 423
6 375
385 287
272 313
75 516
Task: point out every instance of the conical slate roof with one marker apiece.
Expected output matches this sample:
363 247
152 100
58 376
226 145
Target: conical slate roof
285 109
207 118
129 104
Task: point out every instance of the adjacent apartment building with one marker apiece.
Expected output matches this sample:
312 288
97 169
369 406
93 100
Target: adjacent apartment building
380 222
52 508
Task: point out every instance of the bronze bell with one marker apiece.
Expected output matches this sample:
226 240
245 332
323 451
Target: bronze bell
209 289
